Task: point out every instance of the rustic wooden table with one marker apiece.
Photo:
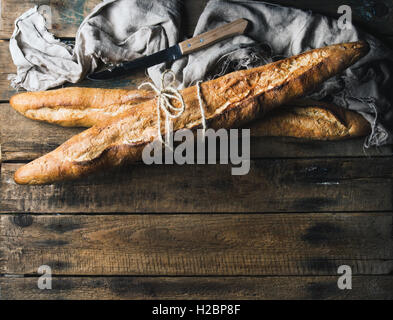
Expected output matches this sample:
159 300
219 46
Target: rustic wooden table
196 231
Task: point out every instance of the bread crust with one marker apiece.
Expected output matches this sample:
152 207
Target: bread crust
230 101
86 107
78 107
313 120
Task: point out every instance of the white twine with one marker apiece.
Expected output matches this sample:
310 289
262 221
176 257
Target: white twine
164 96
204 126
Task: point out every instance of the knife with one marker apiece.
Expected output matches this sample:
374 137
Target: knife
175 52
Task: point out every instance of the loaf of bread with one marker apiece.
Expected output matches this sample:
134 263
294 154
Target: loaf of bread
77 107
310 119
230 101
85 107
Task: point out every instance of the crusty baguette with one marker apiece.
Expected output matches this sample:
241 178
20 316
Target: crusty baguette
77 107
230 101
311 120
85 107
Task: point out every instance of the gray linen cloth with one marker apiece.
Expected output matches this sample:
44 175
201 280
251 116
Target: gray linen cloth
116 31
121 30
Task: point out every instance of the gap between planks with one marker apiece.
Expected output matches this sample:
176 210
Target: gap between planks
199 245
364 287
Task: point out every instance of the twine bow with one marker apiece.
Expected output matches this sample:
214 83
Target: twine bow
164 96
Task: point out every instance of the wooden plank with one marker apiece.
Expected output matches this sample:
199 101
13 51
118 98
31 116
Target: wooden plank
7 68
6 63
196 245
6 92
66 15
272 185
23 139
198 288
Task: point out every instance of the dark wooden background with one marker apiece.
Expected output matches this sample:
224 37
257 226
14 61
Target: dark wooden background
188 232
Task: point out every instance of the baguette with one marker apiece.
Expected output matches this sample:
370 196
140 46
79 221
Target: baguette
230 101
85 107
313 120
77 107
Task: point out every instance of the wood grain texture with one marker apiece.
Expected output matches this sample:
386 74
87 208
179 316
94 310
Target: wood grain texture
22 138
6 63
272 185
225 245
32 139
198 288
375 15
67 15
294 248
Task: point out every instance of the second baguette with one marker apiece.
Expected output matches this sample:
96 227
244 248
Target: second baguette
85 107
313 120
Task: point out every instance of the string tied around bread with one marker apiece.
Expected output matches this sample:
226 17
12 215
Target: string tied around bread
165 95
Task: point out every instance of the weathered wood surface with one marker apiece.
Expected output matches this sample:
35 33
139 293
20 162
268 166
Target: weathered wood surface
376 16
192 245
198 288
67 15
284 255
23 139
7 67
272 185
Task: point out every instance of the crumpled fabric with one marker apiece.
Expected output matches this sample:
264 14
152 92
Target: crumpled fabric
115 31
122 30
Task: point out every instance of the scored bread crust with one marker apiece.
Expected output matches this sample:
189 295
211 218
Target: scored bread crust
310 119
78 107
85 107
230 101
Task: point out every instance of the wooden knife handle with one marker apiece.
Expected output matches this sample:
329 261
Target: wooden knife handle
211 37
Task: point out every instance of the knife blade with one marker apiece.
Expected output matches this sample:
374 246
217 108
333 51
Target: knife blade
175 52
